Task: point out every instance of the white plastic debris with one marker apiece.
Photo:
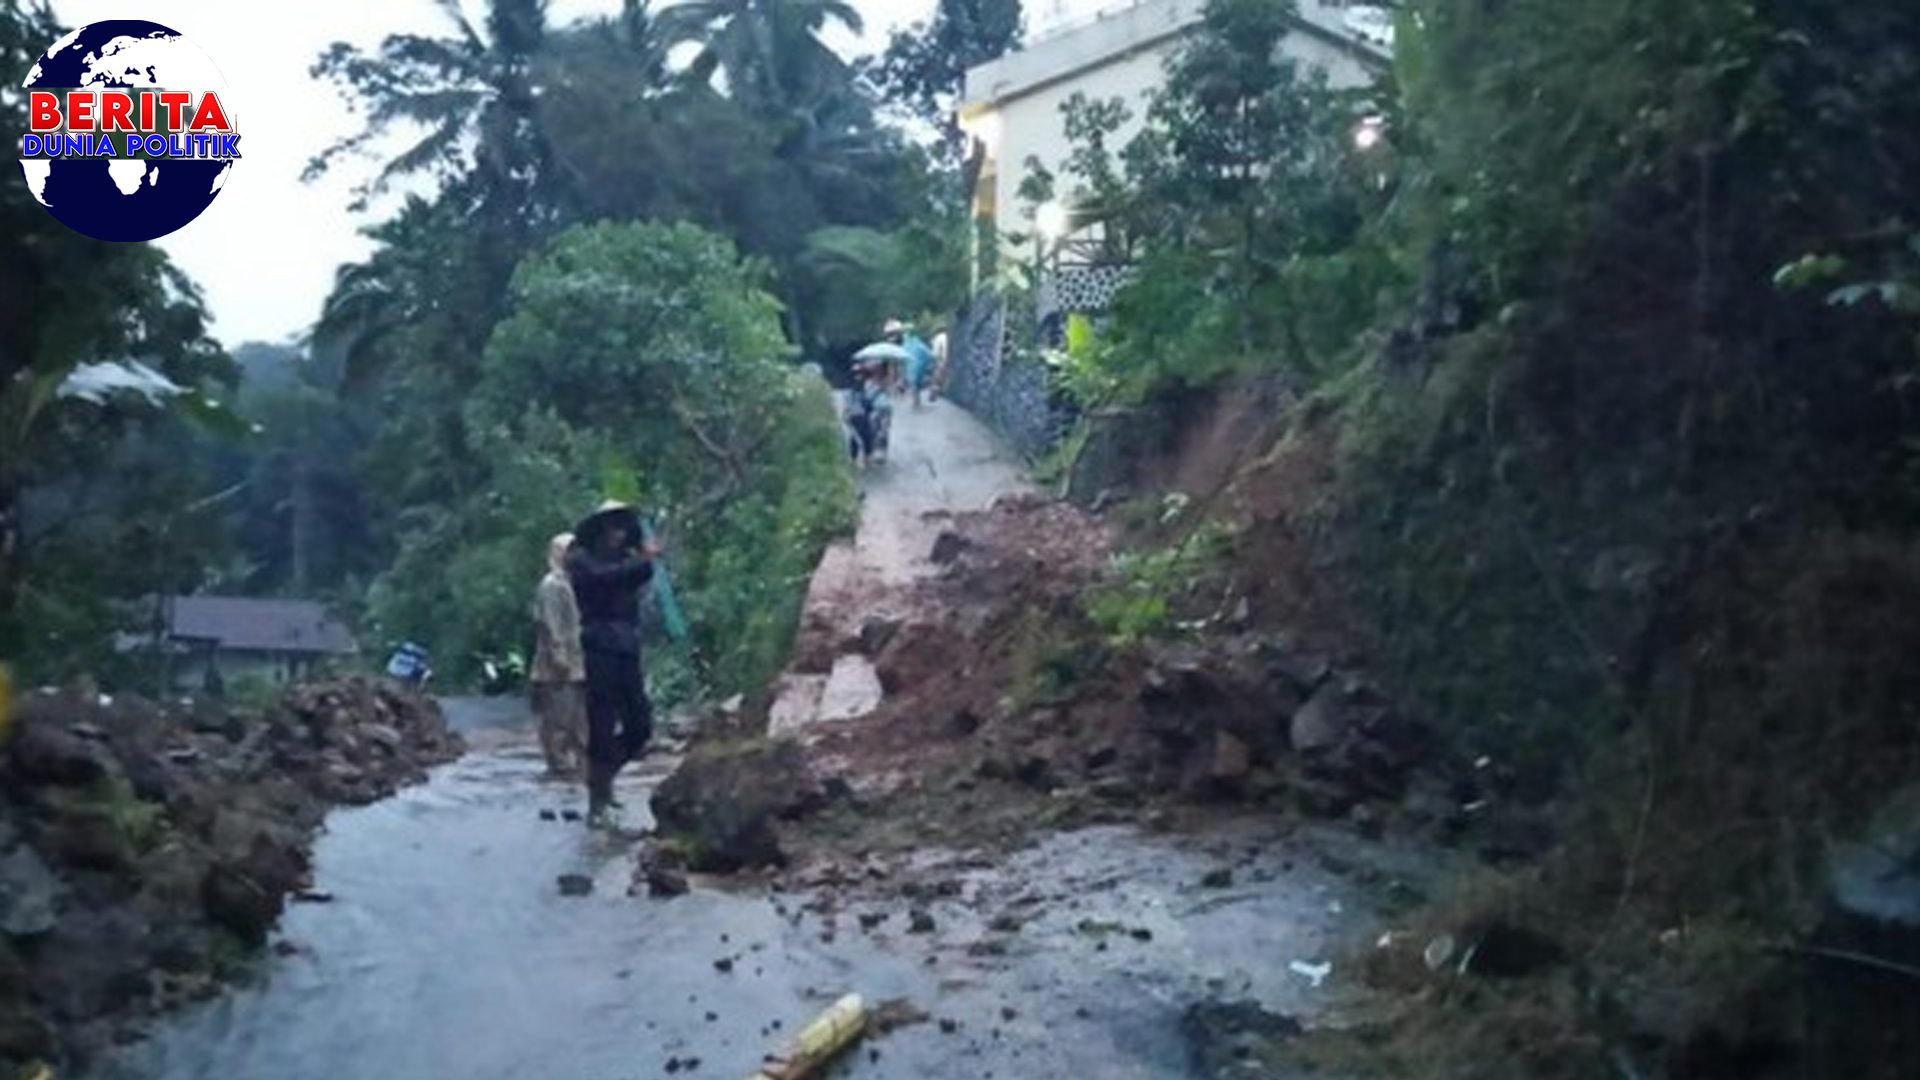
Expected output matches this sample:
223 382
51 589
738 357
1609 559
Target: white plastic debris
97 382
1438 952
1313 973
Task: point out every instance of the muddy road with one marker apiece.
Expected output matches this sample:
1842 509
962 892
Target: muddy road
447 949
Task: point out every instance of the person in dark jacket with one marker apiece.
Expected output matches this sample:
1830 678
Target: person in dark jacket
609 564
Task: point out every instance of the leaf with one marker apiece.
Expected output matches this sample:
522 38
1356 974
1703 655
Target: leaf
1808 270
1850 295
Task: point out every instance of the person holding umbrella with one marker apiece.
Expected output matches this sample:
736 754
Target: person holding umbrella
918 356
610 562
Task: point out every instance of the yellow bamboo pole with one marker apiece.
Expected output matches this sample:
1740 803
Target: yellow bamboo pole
819 1042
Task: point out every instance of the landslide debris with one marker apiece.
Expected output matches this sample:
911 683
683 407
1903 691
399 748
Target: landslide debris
146 850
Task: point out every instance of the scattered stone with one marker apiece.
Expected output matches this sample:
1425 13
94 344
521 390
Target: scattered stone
871 919
549 815
724 965
570 815
313 896
1217 879
920 921
1006 923
575 884
948 1025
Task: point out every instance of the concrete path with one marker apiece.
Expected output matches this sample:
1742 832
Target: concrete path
943 460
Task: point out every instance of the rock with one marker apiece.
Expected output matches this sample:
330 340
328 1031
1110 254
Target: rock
1304 670
1321 724
29 894
665 881
948 547
723 801
1236 1039
1100 757
383 736
876 632
1221 878
574 884
43 753
1037 772
920 921
894 1014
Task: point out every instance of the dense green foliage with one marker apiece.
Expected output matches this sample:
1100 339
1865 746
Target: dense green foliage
507 349
97 506
470 385
654 349
1243 203
1614 326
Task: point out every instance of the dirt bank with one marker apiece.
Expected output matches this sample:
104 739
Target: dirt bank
145 850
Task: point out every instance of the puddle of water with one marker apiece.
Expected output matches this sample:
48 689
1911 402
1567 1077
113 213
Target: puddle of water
448 951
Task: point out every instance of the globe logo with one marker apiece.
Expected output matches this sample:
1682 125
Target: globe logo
131 135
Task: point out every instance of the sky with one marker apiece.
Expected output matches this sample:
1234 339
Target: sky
266 251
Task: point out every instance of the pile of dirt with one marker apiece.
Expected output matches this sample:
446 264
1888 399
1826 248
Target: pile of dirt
146 849
1004 710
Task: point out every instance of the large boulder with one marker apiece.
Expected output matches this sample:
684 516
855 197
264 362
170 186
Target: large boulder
721 804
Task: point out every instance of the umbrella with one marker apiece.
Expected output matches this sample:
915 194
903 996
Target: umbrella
883 350
670 613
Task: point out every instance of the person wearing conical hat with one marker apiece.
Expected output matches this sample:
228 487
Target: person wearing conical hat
610 562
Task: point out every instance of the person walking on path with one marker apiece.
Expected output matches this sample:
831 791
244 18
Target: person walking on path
559 672
609 563
876 402
919 356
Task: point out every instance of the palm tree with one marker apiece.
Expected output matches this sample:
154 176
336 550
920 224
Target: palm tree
768 49
473 95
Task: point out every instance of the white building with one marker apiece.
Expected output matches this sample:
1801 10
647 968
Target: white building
1011 106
